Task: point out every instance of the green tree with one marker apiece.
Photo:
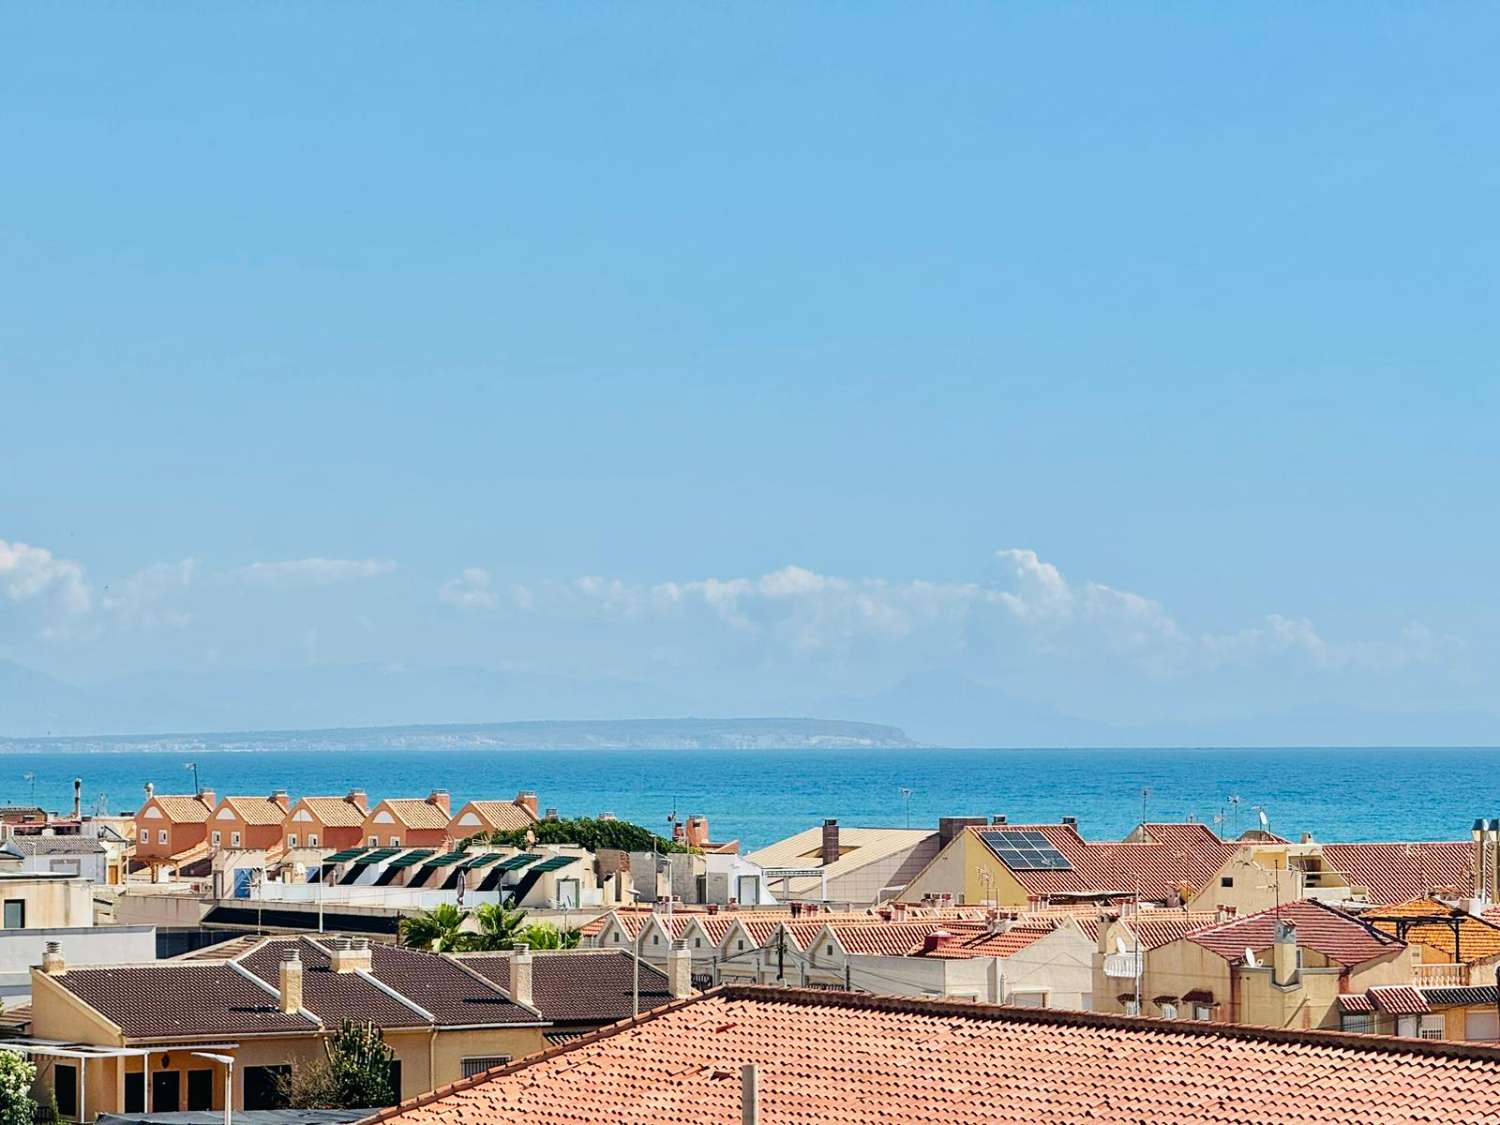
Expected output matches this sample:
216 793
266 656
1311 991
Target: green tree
354 1072
587 832
439 929
544 935
500 924
16 1077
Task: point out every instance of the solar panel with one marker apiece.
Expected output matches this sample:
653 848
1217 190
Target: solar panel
1026 850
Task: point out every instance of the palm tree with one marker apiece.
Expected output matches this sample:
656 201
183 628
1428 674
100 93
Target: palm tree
439 929
544 935
500 925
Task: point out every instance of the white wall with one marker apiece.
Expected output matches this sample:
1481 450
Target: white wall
88 945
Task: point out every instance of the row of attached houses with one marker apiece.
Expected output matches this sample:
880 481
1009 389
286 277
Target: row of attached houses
176 829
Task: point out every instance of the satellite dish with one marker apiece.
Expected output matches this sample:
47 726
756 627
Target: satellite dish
1250 958
1265 821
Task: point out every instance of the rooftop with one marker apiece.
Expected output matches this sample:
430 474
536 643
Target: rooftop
1336 935
592 986
335 812
1398 872
1432 923
842 1059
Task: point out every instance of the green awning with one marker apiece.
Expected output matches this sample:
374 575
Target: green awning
447 859
556 863
520 860
483 859
411 858
344 856
378 855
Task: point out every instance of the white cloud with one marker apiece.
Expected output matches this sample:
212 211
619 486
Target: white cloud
143 599
1029 607
36 575
315 571
470 590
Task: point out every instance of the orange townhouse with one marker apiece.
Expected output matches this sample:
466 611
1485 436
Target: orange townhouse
251 823
483 817
168 825
326 822
409 822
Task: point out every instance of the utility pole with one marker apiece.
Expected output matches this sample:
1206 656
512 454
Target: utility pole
635 985
780 956
1145 797
906 797
194 767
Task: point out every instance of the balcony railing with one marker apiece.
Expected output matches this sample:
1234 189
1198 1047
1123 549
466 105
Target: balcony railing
1442 976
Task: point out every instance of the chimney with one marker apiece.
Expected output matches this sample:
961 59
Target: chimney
1070 822
280 797
52 959
290 999
526 799
934 939
78 798
999 818
1307 838
830 842
520 975
439 797
1284 954
150 790
207 796
351 955
1221 914
680 970
750 1095
697 831
551 814
359 799
949 827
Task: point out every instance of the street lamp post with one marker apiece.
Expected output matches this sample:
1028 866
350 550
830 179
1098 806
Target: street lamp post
227 1061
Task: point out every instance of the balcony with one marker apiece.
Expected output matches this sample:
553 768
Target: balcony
1442 976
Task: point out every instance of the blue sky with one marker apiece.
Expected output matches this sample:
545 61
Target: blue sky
558 335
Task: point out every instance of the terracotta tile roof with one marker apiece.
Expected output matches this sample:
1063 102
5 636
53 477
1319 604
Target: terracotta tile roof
1355 1002
255 810
889 939
504 815
183 808
180 998
1398 1000
1173 855
1156 928
992 945
842 1059
414 812
334 812
579 986
1478 940
1331 932
1397 872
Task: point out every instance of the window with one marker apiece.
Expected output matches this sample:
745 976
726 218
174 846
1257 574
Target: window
312 839
1203 1011
1169 1011
374 841
1360 1023
395 841
1085 1001
1482 1027
396 1078
65 1086
747 888
145 839
291 841
568 894
481 1063
64 866
617 939
1132 1007
263 1087
200 1089
218 839
697 943
1431 1027
655 940
830 949
15 914
161 837
740 945
234 839
1227 881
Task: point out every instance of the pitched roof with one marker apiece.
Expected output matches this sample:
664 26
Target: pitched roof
1478 940
255 811
986 944
335 812
1156 928
182 808
1331 932
57 845
181 998
454 995
506 816
840 1058
415 812
1169 856
859 847
1397 872
331 996
573 986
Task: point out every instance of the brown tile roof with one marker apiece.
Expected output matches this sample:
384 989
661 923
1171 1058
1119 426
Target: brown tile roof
331 996
844 1059
455 996
180 998
1397 872
414 812
1478 940
334 812
504 815
256 810
1173 855
1330 932
579 986
182 808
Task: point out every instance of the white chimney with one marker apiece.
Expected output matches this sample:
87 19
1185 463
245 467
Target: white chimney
52 959
680 970
520 975
750 1095
290 999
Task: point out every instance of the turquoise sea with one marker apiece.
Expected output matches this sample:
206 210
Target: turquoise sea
760 796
